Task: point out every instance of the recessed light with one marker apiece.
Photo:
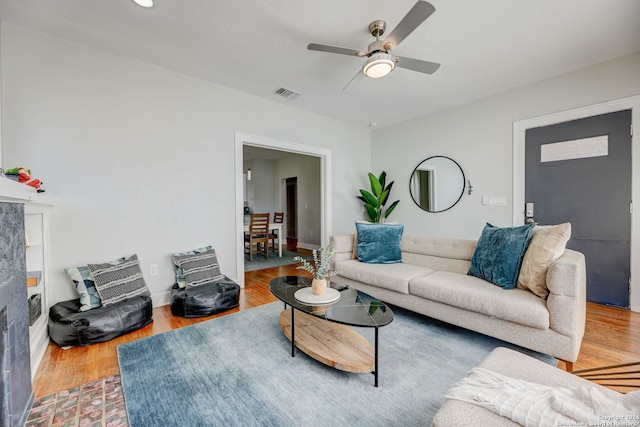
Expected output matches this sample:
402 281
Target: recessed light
144 3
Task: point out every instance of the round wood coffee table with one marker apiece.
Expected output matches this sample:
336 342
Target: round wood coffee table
323 331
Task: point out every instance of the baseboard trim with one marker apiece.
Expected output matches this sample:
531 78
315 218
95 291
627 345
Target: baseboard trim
308 246
161 298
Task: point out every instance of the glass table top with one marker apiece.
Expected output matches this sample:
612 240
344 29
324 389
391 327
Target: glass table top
354 308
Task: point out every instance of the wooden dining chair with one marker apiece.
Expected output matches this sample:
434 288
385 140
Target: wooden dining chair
258 235
278 217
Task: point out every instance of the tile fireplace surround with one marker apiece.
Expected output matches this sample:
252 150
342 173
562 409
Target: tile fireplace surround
16 395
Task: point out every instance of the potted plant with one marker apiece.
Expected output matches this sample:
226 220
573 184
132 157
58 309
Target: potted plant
318 265
13 173
376 199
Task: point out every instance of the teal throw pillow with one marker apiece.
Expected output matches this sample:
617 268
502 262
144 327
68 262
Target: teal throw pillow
379 243
499 253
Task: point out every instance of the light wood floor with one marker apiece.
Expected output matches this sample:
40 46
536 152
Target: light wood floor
612 336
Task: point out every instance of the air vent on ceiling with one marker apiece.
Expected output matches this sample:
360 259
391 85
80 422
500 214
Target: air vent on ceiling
287 93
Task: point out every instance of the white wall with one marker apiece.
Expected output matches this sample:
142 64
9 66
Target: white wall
141 159
479 136
263 185
307 170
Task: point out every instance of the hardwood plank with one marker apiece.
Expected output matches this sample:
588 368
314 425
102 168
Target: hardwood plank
333 344
612 336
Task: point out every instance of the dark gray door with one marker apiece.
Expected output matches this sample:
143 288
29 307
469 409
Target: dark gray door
580 172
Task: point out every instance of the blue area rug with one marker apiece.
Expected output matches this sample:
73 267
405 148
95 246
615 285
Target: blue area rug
260 262
237 370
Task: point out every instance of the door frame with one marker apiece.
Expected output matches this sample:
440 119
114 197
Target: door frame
324 154
519 135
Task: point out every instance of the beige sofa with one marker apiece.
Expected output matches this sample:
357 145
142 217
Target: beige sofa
432 280
456 413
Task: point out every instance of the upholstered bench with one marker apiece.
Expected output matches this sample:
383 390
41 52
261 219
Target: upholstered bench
68 326
204 300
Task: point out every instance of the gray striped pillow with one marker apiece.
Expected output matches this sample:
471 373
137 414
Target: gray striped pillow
119 282
199 269
179 276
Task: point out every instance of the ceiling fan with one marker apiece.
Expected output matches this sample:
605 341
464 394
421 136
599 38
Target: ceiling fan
379 61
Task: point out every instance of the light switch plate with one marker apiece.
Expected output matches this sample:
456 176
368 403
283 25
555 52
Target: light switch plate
497 201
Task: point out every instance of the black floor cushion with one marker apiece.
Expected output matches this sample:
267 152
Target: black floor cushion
70 327
205 300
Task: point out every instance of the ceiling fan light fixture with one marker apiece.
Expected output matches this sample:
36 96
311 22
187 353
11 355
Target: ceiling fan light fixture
144 3
379 65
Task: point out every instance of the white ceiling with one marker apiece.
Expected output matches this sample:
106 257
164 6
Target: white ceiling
257 46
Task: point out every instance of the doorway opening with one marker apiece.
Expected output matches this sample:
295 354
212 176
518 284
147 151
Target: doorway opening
291 202
323 211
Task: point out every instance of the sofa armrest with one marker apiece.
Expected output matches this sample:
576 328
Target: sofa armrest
567 283
343 245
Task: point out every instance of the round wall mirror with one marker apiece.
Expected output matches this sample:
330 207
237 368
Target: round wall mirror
437 184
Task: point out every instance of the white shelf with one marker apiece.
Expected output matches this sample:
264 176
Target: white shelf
36 227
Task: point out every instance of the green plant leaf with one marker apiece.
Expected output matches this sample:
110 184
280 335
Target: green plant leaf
369 198
374 306
391 208
12 171
388 190
383 197
376 188
371 212
377 198
382 179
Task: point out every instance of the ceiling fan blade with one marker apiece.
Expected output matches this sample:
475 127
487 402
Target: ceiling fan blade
416 16
355 80
417 65
335 49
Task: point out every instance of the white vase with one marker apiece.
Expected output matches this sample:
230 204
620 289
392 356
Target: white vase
319 286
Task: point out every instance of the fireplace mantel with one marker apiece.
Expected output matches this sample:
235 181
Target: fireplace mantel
12 191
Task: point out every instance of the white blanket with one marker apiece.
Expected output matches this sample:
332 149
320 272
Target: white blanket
530 404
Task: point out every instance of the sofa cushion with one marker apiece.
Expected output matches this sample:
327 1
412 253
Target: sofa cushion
438 253
499 254
546 246
394 277
477 295
379 243
443 247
